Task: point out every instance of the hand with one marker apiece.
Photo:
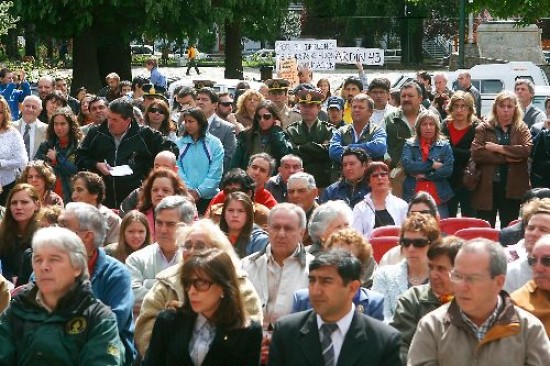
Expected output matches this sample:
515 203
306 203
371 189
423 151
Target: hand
52 155
437 165
491 146
103 168
264 354
22 75
194 194
359 66
231 118
420 176
547 124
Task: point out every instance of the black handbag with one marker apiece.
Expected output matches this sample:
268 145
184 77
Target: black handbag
472 175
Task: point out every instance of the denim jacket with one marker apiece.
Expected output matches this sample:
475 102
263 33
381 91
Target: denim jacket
412 162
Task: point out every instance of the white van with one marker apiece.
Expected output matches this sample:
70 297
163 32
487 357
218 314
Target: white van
491 79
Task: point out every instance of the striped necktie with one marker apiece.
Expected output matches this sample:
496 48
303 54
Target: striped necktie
326 343
27 140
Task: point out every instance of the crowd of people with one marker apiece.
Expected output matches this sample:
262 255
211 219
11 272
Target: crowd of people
202 228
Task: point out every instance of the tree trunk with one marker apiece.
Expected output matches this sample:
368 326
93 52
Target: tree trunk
411 34
30 40
113 53
12 51
50 46
85 68
233 53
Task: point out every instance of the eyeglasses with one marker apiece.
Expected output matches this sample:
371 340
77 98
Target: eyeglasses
155 110
379 175
417 243
226 104
188 247
467 279
266 116
199 284
545 261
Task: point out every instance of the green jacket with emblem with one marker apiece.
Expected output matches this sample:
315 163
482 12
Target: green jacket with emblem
80 331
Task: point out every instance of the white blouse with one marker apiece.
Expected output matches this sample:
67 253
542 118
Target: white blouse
13 156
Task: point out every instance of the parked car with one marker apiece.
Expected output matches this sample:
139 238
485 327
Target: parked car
141 49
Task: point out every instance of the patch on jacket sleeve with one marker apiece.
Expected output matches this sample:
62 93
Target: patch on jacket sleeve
112 349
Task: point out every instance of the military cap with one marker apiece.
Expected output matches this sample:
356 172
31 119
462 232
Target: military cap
335 102
199 84
308 96
150 90
277 84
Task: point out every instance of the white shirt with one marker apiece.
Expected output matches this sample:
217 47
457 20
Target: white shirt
32 131
339 335
13 156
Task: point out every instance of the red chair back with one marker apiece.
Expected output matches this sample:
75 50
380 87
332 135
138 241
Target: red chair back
451 225
389 230
478 232
381 244
513 222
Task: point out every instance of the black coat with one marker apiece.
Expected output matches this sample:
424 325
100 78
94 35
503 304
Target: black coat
461 153
172 333
137 149
368 342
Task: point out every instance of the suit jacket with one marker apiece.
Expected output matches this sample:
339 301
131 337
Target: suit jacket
39 134
366 301
369 342
225 131
172 333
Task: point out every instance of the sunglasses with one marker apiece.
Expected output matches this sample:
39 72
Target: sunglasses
226 104
379 175
545 261
266 116
156 110
417 243
199 284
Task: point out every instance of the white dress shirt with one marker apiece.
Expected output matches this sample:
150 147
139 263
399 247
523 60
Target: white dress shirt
339 335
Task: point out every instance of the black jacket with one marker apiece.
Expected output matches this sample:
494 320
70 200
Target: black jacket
137 149
172 333
461 153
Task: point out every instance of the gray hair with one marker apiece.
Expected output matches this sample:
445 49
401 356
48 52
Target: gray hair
186 209
292 157
266 157
528 83
310 180
289 207
90 219
497 256
324 214
169 155
66 241
441 75
34 98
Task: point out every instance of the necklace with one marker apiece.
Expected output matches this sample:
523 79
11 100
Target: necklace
417 280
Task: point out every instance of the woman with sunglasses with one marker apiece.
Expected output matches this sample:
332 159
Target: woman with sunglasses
265 135
157 116
212 326
169 288
380 207
418 233
428 162
59 150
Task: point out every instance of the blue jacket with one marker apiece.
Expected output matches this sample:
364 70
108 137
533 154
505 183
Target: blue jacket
201 164
158 78
343 190
111 283
372 141
412 163
15 96
368 302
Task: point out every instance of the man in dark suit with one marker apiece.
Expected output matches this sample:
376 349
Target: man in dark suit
333 333
207 101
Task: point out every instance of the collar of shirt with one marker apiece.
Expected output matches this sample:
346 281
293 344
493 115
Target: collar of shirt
41 302
211 118
481 330
167 263
357 136
343 324
271 259
32 125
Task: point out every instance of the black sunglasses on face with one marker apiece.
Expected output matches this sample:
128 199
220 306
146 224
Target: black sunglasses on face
155 110
266 116
199 284
417 243
226 104
545 261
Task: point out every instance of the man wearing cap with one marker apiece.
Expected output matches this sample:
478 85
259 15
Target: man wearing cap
294 115
379 91
362 133
152 92
277 93
352 86
310 137
335 110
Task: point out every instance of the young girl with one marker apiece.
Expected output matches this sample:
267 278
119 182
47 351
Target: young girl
134 235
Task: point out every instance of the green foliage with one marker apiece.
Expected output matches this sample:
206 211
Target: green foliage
525 11
7 20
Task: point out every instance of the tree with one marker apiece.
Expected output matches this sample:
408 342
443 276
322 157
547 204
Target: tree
100 29
525 11
7 20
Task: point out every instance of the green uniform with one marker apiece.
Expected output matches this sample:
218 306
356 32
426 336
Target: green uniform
81 331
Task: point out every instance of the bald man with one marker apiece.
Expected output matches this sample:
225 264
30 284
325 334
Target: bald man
164 159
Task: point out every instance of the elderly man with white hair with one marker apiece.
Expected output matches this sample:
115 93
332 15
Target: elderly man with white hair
302 191
57 320
31 128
